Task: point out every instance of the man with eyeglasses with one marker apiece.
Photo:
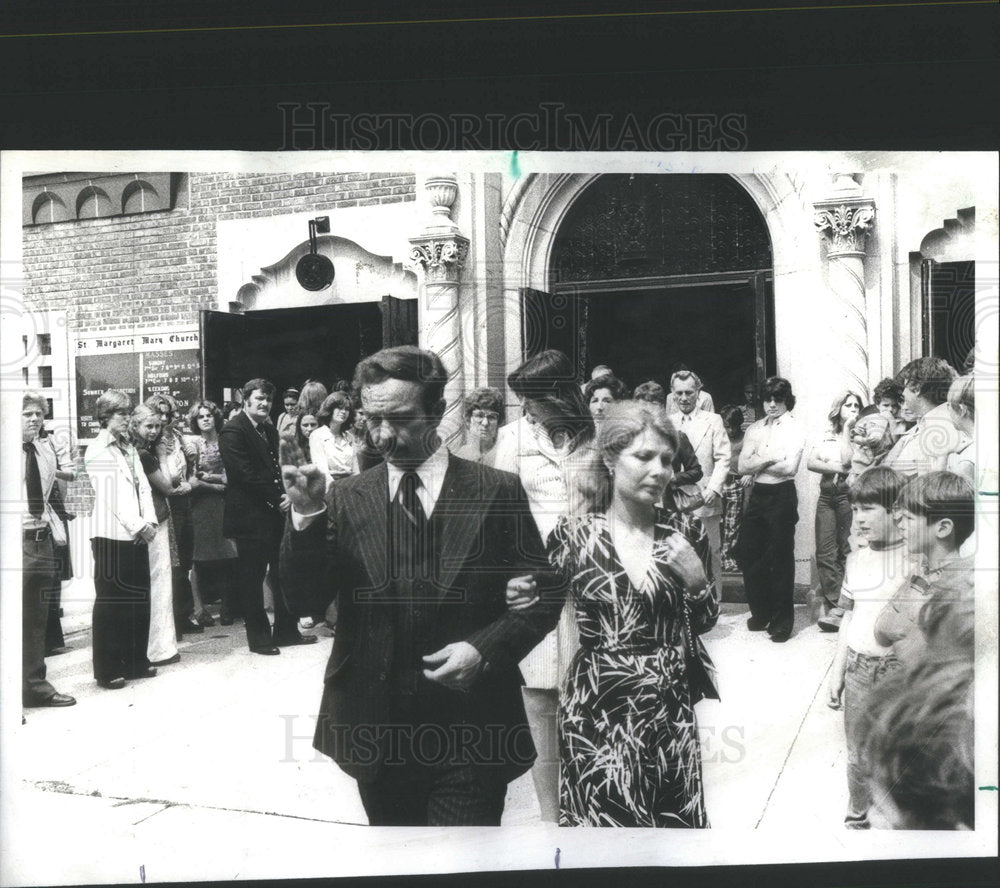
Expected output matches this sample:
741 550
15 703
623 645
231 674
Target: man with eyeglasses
483 411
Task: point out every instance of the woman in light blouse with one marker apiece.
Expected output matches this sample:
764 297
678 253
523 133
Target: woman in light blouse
123 524
772 451
831 458
331 446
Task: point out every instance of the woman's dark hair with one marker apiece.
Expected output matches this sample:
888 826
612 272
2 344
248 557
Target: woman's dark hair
229 407
211 407
732 418
290 393
548 380
612 383
408 364
336 401
780 389
485 398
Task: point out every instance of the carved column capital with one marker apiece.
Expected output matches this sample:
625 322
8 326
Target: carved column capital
441 258
845 225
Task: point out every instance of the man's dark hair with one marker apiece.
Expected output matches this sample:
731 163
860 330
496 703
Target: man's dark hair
258 385
780 389
938 495
932 377
409 364
877 486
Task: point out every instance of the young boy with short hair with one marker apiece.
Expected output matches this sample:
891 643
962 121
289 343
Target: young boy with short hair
872 576
936 516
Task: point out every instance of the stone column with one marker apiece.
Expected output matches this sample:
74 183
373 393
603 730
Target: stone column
844 222
440 252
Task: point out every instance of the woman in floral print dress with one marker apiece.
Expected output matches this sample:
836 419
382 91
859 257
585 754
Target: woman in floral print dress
629 747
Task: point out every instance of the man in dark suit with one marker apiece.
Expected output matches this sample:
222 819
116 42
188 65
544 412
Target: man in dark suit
254 516
422 700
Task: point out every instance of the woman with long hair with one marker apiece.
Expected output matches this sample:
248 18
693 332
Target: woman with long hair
331 445
554 456
831 458
214 555
146 429
641 584
123 523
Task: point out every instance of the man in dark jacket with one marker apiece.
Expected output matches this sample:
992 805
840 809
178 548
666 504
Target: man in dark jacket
422 700
254 516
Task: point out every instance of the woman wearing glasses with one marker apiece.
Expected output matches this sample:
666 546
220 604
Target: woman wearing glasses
483 411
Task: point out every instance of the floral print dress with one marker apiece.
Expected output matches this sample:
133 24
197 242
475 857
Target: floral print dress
628 739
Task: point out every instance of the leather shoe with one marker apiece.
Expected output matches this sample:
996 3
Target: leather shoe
781 637
176 658
268 650
114 684
189 626
148 672
56 700
225 620
296 639
756 624
56 651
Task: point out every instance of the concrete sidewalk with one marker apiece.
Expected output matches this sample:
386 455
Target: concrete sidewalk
207 771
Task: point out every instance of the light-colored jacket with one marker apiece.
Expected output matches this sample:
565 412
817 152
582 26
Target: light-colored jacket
123 502
708 437
45 455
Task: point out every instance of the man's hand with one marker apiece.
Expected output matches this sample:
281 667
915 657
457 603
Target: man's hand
457 666
522 592
305 488
284 503
710 496
147 533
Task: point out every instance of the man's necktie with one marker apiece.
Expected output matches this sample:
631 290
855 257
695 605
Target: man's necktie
408 499
33 479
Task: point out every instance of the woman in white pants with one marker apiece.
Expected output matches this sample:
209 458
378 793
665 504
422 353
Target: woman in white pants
147 429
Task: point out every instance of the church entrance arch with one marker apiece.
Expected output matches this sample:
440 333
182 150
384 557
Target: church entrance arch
647 272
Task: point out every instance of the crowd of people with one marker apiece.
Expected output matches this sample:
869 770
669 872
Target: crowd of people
581 546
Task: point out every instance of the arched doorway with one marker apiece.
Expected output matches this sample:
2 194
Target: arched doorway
649 271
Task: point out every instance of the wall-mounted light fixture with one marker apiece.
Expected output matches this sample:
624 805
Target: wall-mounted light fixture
315 272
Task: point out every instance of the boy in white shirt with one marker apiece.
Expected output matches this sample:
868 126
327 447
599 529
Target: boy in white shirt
872 576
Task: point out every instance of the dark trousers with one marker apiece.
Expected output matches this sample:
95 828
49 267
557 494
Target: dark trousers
183 529
38 579
64 572
255 557
424 795
833 531
121 608
766 554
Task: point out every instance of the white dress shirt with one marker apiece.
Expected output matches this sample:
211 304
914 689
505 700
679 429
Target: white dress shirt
781 439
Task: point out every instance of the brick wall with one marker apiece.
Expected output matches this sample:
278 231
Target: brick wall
160 268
